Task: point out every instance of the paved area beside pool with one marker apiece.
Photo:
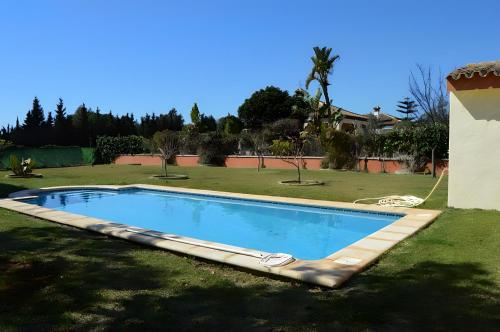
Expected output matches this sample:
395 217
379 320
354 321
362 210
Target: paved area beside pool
330 271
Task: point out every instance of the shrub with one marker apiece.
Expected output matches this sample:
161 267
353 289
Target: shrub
108 148
4 144
340 149
413 162
214 148
283 129
313 147
15 165
21 168
190 140
417 140
230 125
429 136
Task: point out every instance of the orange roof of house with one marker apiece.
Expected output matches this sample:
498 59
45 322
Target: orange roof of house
384 118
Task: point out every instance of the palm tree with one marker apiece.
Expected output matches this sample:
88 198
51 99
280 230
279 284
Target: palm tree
322 68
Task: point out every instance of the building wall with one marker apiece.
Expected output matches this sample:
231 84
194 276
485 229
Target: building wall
474 180
371 165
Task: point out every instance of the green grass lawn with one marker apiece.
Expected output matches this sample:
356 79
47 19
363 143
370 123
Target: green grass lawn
58 278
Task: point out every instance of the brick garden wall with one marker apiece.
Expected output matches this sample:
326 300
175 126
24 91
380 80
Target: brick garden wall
373 165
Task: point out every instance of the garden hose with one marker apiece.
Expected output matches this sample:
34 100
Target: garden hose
403 201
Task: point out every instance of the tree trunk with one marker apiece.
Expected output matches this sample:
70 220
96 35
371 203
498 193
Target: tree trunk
327 98
298 171
165 166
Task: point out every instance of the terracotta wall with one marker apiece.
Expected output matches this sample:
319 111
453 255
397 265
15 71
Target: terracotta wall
146 160
374 165
231 161
270 162
187 160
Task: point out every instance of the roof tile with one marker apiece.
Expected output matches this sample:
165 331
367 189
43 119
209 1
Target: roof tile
483 69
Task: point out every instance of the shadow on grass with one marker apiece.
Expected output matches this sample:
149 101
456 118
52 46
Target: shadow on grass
56 277
6 189
430 296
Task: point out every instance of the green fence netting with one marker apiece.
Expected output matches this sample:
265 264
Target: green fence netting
50 156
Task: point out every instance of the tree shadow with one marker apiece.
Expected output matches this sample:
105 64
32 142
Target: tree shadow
56 277
51 275
6 189
428 296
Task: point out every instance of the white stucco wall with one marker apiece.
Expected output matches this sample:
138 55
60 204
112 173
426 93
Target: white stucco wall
474 180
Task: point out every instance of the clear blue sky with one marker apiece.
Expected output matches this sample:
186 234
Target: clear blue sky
148 56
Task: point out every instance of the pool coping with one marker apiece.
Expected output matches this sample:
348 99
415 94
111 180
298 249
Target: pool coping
330 271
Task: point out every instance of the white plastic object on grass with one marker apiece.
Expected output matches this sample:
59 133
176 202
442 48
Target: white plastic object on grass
278 259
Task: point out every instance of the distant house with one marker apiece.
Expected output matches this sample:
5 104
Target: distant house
352 121
385 121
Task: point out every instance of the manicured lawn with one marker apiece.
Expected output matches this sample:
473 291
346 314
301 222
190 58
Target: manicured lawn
58 278
340 186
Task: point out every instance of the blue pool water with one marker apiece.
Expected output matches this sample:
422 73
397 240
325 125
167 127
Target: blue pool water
303 231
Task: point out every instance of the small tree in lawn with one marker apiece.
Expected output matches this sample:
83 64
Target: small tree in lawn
260 146
291 151
168 143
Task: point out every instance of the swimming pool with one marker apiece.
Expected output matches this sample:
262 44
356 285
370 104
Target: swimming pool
305 232
330 241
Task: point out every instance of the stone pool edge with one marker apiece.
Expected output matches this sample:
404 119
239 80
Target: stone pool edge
330 271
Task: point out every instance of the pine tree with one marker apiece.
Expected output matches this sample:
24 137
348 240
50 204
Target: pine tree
50 120
81 124
207 124
408 108
145 126
35 117
154 124
62 125
31 133
28 120
195 114
100 123
60 111
48 134
171 121
110 125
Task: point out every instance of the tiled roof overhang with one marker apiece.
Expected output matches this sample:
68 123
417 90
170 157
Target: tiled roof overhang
481 75
482 69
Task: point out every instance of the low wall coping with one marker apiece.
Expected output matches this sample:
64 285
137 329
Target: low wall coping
273 157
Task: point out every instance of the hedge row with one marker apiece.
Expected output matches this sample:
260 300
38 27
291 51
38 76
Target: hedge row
49 156
109 148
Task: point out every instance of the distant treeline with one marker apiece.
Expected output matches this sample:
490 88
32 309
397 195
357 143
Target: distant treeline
84 126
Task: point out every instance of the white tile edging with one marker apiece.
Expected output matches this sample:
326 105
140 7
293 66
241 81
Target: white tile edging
330 271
